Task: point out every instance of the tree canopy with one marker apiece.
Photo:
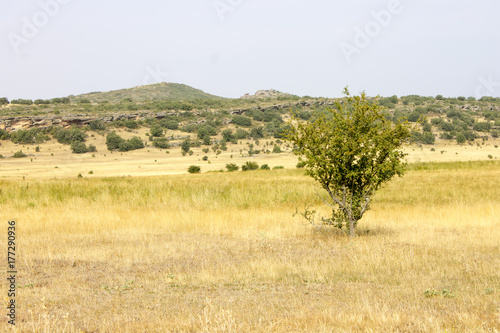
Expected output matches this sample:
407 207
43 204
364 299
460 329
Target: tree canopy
350 150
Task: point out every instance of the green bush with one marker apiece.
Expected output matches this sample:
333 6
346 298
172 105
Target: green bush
169 124
241 120
265 167
301 164
34 135
156 131
249 166
276 149
113 141
194 169
4 135
232 167
161 143
69 136
81 148
19 154
132 124
278 167
205 158
97 125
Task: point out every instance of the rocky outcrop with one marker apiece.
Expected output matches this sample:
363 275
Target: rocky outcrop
18 123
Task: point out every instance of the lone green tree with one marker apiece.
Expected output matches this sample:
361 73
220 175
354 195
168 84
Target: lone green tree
350 150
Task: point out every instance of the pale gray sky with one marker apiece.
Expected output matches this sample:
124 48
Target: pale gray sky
54 48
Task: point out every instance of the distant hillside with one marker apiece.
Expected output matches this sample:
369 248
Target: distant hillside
158 91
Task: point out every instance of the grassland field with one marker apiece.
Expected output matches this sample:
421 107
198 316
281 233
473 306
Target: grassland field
166 251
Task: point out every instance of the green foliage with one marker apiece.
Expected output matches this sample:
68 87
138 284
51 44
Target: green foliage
156 130
4 135
227 135
351 151
265 167
301 164
250 165
194 169
232 167
81 148
4 101
113 141
186 145
97 125
132 124
31 136
19 154
22 101
169 124
241 134
204 158
257 132
461 138
69 136
241 120
131 144
276 149
161 143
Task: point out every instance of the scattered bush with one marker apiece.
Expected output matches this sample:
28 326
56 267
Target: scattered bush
19 154
241 120
34 135
81 148
156 131
97 125
161 143
250 166
69 136
194 169
232 167
276 149
278 167
301 164
265 167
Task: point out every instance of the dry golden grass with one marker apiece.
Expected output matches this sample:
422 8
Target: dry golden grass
222 252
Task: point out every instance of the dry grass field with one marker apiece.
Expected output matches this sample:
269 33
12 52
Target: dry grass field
222 252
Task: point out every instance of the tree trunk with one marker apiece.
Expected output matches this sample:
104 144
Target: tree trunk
352 232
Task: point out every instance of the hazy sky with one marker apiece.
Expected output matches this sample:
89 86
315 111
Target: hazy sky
54 48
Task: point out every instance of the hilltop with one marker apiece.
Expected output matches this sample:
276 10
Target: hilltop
151 92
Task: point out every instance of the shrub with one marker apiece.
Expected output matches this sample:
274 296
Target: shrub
186 145
250 166
97 125
113 141
265 167
205 158
276 149
241 120
19 154
34 135
194 169
81 148
301 164
4 135
69 136
169 124
232 167
278 167
156 131
132 124
131 144
161 143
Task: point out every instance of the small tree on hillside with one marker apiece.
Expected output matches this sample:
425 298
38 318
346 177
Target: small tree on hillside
350 151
